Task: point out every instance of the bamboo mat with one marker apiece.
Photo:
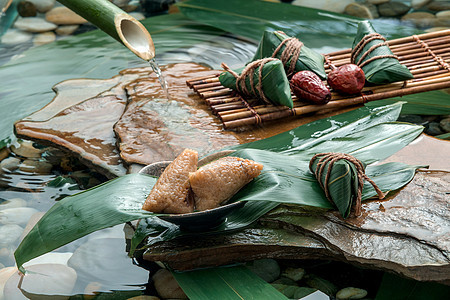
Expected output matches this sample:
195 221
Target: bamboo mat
427 56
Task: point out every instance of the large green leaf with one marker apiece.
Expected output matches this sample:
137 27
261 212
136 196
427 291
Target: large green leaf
226 283
285 178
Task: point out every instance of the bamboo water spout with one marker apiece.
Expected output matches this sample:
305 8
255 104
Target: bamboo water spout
117 23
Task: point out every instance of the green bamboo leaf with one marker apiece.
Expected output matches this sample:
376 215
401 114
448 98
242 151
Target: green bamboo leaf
226 283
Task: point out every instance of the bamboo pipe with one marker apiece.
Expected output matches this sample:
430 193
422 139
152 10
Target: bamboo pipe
117 23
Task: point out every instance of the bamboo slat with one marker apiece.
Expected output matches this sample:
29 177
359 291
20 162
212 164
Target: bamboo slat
427 56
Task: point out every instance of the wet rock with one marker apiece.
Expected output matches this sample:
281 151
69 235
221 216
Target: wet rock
419 3
54 280
18 215
351 293
43 6
26 9
4 153
439 5
445 124
36 166
31 222
420 19
321 284
330 5
166 285
44 38
12 203
415 119
267 269
9 234
284 281
63 16
295 274
5 274
376 2
26 149
15 36
66 29
392 9
434 29
358 10
443 18
433 129
90 263
34 25
10 164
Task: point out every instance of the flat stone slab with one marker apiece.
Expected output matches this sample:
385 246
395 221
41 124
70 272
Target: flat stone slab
408 235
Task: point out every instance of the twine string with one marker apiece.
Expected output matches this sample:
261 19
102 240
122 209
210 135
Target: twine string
436 57
363 43
290 54
328 159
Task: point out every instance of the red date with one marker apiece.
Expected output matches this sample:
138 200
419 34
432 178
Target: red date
347 79
306 85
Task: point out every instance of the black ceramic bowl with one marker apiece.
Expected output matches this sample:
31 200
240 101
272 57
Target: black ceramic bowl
196 221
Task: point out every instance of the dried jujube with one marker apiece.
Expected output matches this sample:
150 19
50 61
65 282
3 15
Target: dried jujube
347 79
306 85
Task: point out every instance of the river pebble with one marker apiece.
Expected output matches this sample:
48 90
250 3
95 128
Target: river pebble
10 164
34 24
63 16
26 149
44 38
267 269
12 203
376 2
42 279
36 166
419 3
66 29
295 274
26 9
9 234
15 36
393 9
421 19
43 6
358 10
445 124
5 274
439 5
351 293
167 286
17 215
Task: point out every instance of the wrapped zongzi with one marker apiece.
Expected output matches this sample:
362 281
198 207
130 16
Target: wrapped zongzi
372 54
264 79
279 45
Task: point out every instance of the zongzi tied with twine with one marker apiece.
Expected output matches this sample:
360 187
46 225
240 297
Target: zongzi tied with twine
371 53
289 49
264 79
342 176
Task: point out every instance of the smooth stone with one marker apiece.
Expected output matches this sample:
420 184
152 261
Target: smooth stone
445 14
393 9
60 258
445 124
351 293
419 3
330 5
18 215
26 9
434 29
10 164
66 29
43 6
376 2
373 9
433 129
358 10
26 149
284 281
34 24
167 286
5 274
137 15
31 222
415 119
63 16
295 274
12 203
56 281
9 234
4 153
36 166
15 36
44 38
90 263
439 5
268 269
420 19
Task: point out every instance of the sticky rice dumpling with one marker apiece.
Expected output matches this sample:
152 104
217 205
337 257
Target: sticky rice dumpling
218 181
170 192
264 79
373 55
290 49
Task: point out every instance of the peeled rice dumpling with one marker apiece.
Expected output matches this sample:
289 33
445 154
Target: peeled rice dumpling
218 181
264 79
170 192
290 49
372 54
